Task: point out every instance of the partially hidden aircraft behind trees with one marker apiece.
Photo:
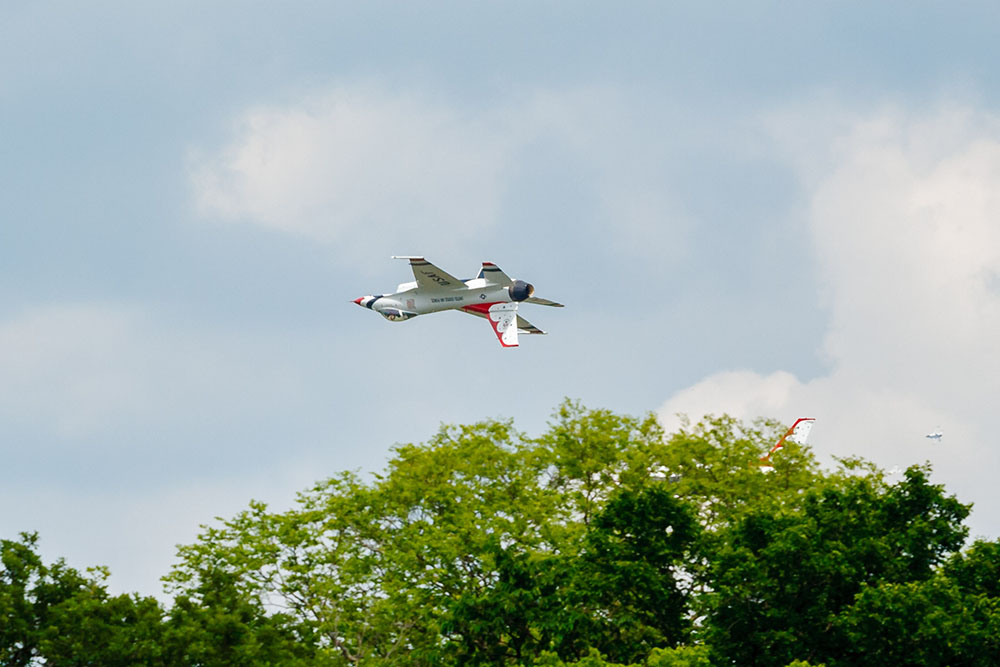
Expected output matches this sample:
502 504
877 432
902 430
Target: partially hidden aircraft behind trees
797 433
492 295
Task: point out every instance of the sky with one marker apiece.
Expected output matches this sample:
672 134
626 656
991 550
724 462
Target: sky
763 209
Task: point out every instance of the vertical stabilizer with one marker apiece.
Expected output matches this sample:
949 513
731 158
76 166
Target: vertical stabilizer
503 318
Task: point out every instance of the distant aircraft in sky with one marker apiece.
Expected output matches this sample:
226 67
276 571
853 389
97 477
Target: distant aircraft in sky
935 435
799 432
491 295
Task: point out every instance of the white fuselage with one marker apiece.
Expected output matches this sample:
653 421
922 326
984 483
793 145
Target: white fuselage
409 301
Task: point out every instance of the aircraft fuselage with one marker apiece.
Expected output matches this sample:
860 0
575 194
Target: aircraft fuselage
409 300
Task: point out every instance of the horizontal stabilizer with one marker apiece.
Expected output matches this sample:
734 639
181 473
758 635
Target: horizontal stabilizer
543 302
524 326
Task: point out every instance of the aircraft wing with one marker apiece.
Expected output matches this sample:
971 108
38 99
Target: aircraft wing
431 277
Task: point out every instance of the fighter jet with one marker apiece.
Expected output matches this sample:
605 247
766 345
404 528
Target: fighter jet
935 435
491 295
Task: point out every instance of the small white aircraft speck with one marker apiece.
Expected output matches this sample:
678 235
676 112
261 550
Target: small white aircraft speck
491 295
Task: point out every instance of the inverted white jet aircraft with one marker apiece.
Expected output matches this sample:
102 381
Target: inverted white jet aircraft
491 295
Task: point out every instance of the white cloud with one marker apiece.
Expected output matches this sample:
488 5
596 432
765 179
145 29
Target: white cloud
904 213
741 394
359 162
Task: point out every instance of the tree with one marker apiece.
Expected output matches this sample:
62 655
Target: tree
217 625
22 570
618 595
92 627
317 565
638 544
977 570
56 614
781 579
929 622
447 532
600 541
586 454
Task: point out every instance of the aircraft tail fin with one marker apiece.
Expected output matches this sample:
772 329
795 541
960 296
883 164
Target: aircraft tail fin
503 318
494 274
799 432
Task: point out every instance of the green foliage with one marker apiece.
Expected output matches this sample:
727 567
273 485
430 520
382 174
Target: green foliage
682 656
977 571
587 453
219 625
927 622
593 658
22 569
781 579
92 627
55 614
601 542
315 563
716 467
481 545
618 595
630 567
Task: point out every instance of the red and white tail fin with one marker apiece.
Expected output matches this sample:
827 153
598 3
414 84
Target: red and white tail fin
799 432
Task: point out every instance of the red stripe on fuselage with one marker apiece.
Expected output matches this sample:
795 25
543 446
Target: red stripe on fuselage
482 308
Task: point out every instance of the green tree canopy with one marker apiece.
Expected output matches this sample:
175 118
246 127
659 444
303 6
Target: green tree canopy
781 579
602 541
56 614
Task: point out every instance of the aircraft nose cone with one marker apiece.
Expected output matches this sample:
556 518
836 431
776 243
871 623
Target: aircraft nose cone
359 300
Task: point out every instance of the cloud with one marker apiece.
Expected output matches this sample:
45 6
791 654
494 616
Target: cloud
360 161
903 212
742 394
359 164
